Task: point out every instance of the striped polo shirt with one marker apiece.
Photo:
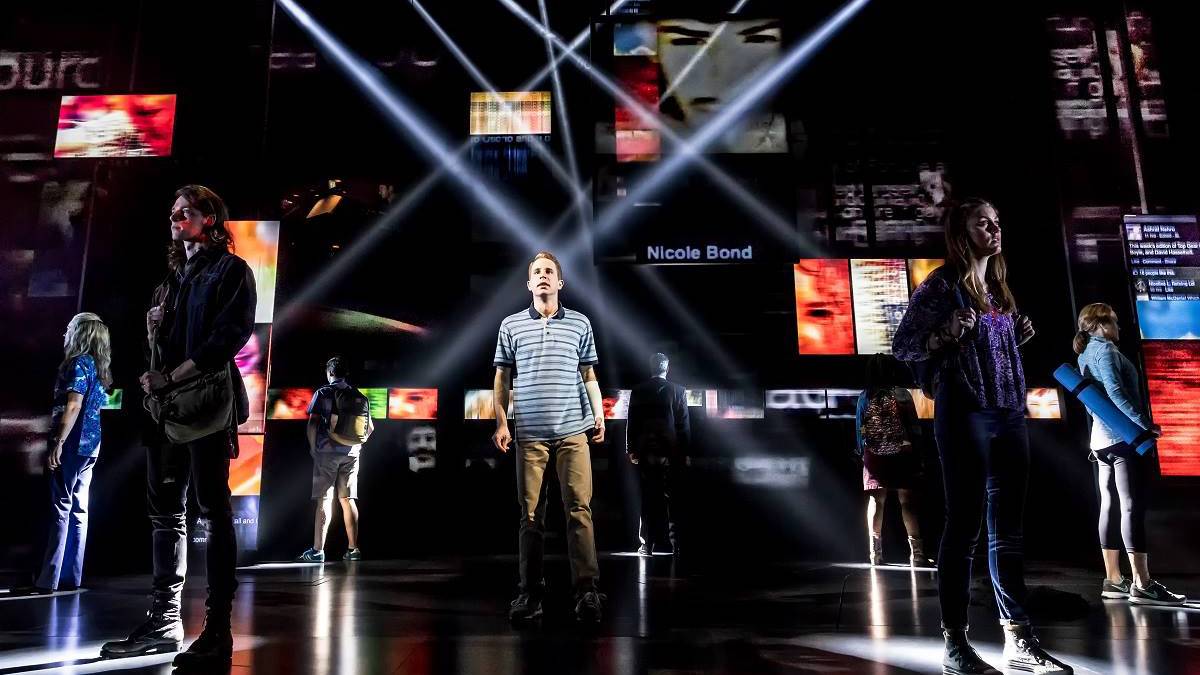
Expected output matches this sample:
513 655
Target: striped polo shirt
550 401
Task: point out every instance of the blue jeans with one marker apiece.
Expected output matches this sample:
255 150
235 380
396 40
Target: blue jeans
68 526
985 463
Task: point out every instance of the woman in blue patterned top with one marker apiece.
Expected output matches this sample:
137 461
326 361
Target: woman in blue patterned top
963 328
79 393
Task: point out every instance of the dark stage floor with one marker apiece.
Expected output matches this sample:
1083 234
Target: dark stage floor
447 616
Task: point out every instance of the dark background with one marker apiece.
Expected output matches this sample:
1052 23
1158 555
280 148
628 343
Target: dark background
965 84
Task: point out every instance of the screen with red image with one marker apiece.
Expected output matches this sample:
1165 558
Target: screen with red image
616 404
824 314
412 404
134 125
288 404
245 470
1173 375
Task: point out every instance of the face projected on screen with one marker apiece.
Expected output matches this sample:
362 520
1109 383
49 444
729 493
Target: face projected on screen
704 64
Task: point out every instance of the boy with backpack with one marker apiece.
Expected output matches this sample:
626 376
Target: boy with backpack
339 422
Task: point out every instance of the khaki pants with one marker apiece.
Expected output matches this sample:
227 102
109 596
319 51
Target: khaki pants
573 462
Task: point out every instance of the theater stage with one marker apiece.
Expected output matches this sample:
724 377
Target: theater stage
448 616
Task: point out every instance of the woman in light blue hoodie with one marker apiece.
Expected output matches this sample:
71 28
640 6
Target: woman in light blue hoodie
1123 474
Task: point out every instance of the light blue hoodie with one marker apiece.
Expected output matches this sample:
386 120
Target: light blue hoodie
1103 362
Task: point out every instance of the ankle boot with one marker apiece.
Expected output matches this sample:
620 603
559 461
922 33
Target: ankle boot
1023 652
162 631
876 550
960 657
214 647
916 557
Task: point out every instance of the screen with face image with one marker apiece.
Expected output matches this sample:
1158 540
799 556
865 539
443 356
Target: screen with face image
688 70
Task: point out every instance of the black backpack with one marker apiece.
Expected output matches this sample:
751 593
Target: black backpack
350 421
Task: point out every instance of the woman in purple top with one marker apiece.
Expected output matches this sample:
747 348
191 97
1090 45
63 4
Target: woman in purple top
963 329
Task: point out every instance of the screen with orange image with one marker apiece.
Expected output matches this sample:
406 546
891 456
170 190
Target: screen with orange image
1173 378
1043 404
258 244
919 270
506 113
245 470
824 314
288 404
923 403
412 404
132 125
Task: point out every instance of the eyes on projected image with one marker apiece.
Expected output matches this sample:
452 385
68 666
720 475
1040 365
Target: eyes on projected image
727 55
824 314
412 404
689 70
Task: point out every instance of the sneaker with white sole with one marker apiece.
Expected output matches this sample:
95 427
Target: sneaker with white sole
1154 594
311 556
1116 591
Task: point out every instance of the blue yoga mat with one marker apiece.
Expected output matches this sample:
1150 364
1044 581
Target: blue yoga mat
1092 395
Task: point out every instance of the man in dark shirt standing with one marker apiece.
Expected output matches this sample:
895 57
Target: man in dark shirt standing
657 440
203 315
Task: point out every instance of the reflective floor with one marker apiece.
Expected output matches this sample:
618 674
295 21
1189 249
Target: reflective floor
447 616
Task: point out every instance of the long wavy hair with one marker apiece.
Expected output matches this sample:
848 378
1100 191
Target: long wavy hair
209 203
1091 318
961 257
87 334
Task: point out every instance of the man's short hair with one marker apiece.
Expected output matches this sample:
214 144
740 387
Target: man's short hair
548 256
337 366
659 363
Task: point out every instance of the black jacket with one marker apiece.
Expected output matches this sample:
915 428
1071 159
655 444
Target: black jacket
658 420
209 315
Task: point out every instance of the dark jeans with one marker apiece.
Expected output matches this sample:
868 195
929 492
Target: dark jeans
67 540
660 488
1122 475
169 468
985 463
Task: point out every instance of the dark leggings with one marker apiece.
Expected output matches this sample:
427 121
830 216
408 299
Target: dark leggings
1121 475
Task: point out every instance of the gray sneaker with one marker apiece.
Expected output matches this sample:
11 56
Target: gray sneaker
1117 591
1155 594
311 556
352 555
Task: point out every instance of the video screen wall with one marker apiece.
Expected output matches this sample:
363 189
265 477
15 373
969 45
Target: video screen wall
129 125
292 403
846 307
1164 268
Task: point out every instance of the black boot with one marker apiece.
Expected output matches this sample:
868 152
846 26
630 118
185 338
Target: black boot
1023 652
161 632
960 657
213 649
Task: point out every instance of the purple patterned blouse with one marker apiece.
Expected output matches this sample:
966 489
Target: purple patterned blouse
987 360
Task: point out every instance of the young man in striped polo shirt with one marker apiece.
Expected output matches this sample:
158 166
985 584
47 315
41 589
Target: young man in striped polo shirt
557 402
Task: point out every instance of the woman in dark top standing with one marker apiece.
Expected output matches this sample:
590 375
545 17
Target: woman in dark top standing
963 328
887 435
